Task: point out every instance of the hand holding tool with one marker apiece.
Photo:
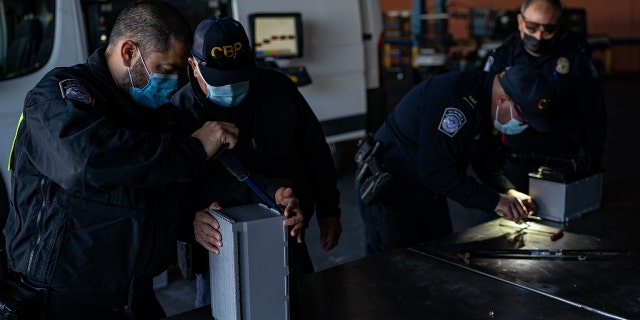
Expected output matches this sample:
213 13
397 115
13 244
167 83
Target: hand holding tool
238 170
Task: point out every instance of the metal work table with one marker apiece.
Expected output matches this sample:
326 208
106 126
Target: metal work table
579 270
433 281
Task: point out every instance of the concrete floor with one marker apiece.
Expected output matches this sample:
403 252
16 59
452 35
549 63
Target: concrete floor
617 220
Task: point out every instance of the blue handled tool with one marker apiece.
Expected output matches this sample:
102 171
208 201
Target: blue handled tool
240 172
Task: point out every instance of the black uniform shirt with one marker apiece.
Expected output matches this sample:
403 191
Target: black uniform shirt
94 180
280 137
436 130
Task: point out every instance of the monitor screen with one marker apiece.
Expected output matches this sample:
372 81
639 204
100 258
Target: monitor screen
276 35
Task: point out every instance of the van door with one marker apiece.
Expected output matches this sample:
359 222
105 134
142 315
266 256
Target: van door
36 36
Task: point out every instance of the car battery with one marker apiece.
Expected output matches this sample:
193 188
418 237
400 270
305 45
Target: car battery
562 196
249 277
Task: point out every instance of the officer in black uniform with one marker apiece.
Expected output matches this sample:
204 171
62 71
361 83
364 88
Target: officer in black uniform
280 138
578 116
426 144
97 167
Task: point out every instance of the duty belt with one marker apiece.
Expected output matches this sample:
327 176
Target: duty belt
372 175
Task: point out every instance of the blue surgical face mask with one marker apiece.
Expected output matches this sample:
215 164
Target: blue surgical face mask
158 90
229 95
512 126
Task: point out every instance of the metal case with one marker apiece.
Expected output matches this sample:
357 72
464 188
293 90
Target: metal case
249 277
563 201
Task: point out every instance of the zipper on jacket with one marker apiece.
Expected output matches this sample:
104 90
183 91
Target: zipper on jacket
138 271
39 230
127 308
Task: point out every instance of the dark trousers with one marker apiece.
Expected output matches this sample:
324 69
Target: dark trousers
402 217
145 306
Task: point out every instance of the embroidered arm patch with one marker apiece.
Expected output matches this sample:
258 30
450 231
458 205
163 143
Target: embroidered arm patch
71 89
451 122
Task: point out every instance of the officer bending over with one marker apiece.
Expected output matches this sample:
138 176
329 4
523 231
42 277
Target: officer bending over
420 155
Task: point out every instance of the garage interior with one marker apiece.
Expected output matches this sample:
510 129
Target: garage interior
617 54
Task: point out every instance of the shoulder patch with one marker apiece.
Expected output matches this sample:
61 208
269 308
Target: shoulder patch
71 89
452 120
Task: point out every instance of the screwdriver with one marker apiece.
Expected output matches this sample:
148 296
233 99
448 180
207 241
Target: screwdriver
553 235
242 174
529 217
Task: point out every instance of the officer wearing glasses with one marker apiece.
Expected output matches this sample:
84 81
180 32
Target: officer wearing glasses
578 116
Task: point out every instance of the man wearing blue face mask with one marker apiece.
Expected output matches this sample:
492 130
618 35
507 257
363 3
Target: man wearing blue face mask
281 137
97 170
158 89
578 118
420 155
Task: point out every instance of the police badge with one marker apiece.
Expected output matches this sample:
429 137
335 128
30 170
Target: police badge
563 66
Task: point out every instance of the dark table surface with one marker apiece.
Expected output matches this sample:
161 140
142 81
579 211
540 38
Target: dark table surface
476 274
578 270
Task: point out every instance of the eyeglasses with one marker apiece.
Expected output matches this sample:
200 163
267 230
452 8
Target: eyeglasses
532 27
521 117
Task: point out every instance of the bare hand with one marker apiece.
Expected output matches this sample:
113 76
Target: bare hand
284 197
214 134
330 230
526 200
205 229
511 208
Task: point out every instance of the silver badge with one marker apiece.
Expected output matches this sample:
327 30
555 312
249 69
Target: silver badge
452 120
488 64
563 66
71 89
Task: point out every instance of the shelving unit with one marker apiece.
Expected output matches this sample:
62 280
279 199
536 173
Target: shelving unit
397 44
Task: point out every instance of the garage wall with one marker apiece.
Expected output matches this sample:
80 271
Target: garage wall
618 19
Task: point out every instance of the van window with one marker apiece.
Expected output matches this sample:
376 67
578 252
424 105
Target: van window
26 36
27 28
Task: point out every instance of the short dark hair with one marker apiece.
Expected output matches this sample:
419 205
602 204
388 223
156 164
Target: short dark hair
555 3
151 24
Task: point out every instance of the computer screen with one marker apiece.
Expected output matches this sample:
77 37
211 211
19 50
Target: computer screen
277 35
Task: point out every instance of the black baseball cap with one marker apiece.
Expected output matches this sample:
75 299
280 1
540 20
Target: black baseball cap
221 48
531 90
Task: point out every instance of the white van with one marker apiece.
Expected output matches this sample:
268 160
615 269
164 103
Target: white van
35 36
342 41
